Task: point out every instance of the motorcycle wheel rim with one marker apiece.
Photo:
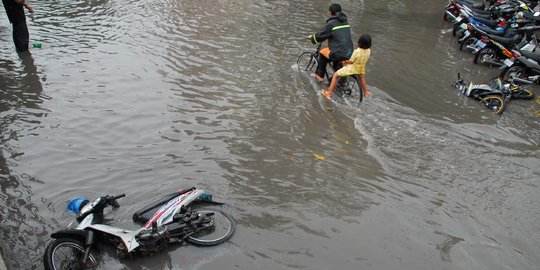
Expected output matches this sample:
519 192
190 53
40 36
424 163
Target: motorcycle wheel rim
216 228
72 255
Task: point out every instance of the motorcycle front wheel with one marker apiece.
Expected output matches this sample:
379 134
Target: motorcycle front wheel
68 253
494 103
218 227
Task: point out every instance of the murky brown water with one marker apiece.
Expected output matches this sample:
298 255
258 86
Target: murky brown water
143 97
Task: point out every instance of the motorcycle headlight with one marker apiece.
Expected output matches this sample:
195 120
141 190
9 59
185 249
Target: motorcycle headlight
89 206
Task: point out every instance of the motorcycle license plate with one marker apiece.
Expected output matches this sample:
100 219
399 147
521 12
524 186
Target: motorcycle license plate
480 44
459 19
467 34
463 26
508 62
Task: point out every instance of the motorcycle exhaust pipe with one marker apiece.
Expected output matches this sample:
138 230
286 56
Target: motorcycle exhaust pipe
451 15
520 80
473 49
493 63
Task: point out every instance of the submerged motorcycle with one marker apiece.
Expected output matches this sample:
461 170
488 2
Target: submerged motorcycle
496 94
175 218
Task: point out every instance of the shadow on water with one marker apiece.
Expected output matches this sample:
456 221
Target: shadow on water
21 227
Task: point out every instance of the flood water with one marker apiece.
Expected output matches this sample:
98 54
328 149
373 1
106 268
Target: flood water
146 97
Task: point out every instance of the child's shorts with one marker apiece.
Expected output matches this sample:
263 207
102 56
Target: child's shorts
346 71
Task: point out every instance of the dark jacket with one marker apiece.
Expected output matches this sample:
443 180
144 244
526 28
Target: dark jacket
338 32
15 12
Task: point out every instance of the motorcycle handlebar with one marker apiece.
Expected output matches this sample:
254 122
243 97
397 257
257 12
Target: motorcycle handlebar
119 196
112 200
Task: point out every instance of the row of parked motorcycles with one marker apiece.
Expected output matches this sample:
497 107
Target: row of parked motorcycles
500 33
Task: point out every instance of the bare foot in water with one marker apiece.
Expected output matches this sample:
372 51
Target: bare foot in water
319 78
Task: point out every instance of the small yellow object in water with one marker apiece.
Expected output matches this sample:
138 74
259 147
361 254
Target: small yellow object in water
346 142
319 157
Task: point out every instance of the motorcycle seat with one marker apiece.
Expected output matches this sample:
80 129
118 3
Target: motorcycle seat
482 12
144 215
505 41
492 23
530 15
531 55
490 31
482 16
472 3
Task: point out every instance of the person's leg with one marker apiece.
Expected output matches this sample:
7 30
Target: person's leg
337 65
321 68
20 35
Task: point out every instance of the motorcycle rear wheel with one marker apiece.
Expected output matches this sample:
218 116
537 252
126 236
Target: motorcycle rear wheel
517 71
219 227
468 41
485 54
494 103
456 29
68 253
460 33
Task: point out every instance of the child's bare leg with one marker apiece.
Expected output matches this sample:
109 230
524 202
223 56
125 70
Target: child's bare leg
333 84
367 93
328 93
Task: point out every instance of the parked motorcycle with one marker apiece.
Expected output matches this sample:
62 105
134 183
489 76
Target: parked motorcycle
494 19
172 219
493 50
525 67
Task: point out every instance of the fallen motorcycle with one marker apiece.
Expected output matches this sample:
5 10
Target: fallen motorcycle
496 94
175 218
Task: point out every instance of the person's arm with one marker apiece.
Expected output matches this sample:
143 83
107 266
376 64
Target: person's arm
322 35
362 78
26 4
353 58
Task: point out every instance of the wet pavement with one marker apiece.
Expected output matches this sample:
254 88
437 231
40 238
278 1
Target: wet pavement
145 97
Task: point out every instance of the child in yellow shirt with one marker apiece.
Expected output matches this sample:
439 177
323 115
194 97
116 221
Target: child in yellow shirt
354 66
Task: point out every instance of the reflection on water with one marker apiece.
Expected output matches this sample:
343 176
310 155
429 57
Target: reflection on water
146 97
21 225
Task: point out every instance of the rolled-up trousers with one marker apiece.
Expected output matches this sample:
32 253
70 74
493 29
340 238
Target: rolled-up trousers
20 35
